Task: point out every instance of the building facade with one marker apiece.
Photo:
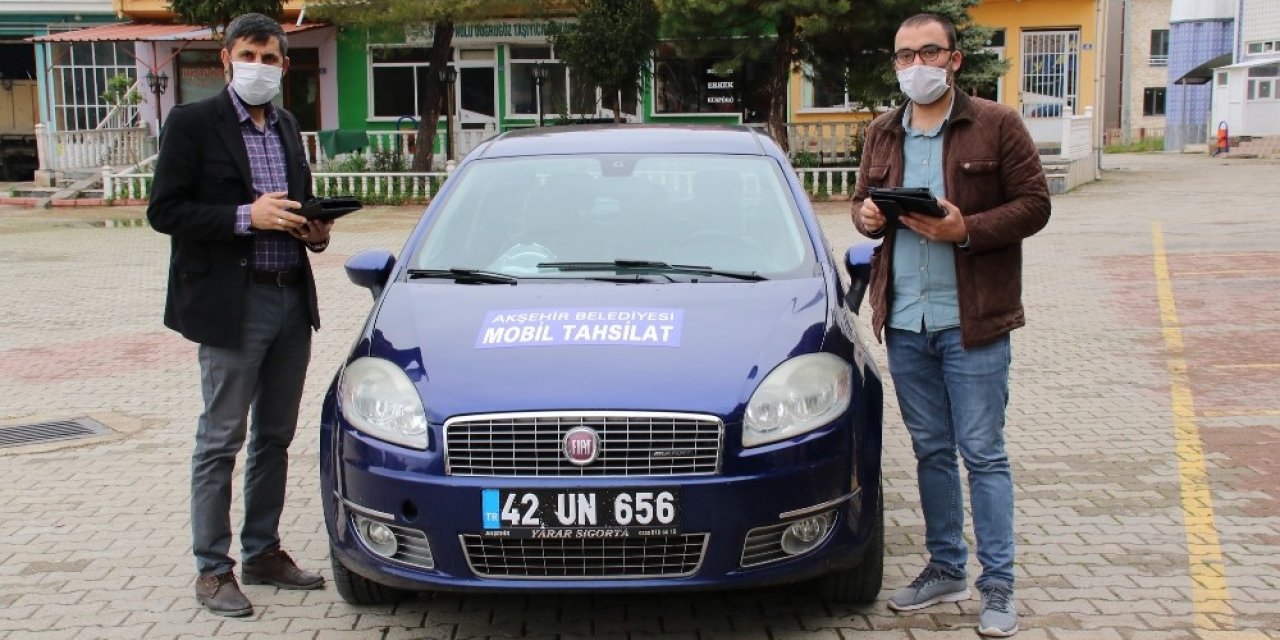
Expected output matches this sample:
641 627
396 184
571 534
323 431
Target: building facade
1146 69
1246 93
1201 35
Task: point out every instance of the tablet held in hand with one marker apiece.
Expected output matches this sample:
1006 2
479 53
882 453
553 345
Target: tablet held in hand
329 208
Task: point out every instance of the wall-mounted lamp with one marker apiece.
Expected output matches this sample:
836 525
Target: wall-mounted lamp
157 83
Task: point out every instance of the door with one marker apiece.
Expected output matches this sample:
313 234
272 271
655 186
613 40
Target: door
302 88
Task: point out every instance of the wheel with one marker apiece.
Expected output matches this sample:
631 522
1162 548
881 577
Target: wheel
357 589
859 584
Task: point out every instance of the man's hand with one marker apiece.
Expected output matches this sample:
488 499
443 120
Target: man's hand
871 217
274 212
313 231
948 229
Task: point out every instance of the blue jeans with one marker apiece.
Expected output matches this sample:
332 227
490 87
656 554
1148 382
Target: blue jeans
954 398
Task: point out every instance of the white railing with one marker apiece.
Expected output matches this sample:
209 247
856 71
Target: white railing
401 143
1077 133
121 115
132 183
380 188
828 182
831 141
91 150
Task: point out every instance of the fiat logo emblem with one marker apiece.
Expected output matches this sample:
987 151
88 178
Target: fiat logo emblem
581 446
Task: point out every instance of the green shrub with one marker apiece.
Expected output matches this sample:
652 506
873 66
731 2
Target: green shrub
1146 145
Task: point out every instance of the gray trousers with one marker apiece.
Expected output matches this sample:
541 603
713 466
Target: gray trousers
264 376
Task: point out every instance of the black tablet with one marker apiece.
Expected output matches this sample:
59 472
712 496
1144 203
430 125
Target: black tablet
897 200
329 208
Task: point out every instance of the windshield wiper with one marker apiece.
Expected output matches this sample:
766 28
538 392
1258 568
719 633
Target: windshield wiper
470 276
653 266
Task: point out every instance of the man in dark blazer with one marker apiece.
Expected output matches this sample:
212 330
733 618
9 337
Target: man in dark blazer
230 175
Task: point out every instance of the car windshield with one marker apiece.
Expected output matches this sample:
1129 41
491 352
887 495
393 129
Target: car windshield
650 218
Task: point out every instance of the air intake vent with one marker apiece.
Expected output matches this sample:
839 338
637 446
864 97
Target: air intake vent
57 431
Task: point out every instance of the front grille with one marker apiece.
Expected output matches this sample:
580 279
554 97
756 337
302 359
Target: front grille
567 559
631 444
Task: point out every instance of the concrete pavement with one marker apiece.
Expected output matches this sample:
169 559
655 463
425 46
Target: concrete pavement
1144 424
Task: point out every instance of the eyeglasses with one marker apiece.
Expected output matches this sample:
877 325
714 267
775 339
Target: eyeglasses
927 53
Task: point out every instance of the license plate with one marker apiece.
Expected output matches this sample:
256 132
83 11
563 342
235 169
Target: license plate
580 513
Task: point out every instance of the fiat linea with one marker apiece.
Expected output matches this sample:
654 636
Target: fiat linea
608 358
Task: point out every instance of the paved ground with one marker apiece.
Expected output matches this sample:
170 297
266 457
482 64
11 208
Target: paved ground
1144 428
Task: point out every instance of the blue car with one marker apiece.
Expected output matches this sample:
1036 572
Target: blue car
608 358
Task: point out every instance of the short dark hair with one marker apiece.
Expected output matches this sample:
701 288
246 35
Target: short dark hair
921 19
255 28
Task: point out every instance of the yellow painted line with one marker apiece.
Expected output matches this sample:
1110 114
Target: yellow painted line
1211 602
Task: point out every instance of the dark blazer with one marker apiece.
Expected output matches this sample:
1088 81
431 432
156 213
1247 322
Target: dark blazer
202 176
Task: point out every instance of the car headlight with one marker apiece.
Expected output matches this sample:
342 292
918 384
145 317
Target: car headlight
377 398
802 394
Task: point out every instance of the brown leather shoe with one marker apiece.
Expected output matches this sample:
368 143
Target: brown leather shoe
220 594
277 568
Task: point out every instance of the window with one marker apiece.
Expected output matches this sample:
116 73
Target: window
1222 79
1153 101
1265 46
1263 81
1050 72
562 94
824 91
400 76
1159 47
80 72
721 82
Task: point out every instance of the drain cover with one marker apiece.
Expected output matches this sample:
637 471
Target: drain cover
41 432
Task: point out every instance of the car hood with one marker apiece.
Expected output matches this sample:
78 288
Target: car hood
699 347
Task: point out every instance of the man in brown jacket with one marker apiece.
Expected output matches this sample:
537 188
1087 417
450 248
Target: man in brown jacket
945 293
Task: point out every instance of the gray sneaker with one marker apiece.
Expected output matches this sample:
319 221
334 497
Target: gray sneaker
932 586
998 618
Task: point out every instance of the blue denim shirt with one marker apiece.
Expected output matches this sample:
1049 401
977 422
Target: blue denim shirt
924 272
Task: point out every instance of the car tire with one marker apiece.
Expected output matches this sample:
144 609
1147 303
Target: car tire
859 584
357 589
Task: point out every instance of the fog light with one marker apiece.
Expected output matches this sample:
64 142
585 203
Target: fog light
377 536
803 535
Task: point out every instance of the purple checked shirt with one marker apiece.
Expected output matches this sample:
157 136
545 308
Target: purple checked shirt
272 250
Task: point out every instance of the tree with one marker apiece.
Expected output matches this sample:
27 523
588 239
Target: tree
217 13
848 39
859 51
442 16
609 45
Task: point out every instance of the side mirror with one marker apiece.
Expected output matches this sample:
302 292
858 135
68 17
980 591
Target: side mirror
858 263
370 269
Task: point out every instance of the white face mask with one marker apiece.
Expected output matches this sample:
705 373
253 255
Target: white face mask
255 83
922 83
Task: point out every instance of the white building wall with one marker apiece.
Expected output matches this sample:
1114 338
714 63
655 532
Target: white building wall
1260 21
1184 10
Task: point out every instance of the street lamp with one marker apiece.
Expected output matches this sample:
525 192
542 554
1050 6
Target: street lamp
540 74
446 76
157 84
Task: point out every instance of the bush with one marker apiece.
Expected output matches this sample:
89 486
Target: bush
1146 145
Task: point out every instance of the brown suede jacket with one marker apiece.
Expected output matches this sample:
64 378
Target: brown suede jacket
991 169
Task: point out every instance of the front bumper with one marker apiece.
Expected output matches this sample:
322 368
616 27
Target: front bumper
780 483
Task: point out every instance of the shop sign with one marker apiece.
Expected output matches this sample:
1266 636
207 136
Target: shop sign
502 30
